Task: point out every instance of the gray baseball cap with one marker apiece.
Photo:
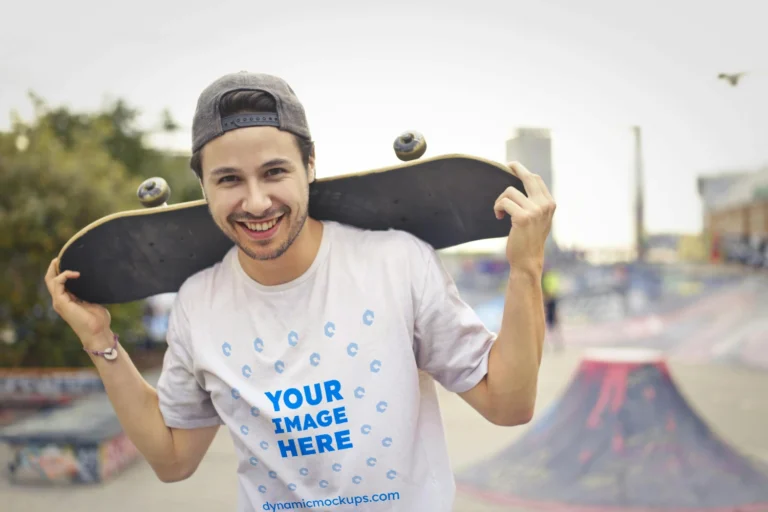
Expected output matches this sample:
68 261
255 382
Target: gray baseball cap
208 123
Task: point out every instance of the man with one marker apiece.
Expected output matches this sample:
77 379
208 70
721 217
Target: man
551 288
317 344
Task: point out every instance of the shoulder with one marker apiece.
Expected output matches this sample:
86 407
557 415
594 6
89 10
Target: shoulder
200 287
392 245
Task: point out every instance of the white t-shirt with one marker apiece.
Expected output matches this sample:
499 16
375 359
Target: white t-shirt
326 382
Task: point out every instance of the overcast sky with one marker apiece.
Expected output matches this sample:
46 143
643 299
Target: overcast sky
464 73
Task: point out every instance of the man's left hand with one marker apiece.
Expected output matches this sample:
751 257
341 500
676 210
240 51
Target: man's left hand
531 219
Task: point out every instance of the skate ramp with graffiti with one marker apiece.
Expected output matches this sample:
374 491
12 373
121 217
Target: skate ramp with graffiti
725 325
79 443
621 437
694 314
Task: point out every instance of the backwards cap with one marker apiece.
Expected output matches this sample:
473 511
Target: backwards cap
208 124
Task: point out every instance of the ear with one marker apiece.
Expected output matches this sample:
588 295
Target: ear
311 168
202 189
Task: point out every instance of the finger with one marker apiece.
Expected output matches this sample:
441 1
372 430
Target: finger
50 275
544 189
518 197
527 177
59 281
506 205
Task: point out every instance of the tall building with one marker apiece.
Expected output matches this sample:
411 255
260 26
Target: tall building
532 147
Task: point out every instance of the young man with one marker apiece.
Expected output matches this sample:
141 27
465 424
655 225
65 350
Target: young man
315 343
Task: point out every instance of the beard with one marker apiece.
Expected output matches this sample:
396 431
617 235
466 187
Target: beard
295 230
295 227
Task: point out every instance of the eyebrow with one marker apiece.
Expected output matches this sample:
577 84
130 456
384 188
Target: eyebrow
271 163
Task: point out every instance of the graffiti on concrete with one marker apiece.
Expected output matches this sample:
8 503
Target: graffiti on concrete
70 463
53 385
54 463
117 454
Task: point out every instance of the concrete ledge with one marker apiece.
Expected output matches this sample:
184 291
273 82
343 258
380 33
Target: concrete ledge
80 444
41 387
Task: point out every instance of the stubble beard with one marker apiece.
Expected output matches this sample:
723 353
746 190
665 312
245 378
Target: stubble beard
292 235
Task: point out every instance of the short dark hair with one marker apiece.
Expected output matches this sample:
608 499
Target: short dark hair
251 101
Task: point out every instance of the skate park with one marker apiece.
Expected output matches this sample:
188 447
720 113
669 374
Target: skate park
644 411
647 123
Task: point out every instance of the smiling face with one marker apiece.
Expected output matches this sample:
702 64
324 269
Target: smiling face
257 189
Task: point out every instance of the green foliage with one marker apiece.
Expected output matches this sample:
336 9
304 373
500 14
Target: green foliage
58 173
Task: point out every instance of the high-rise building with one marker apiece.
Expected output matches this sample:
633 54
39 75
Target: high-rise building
532 147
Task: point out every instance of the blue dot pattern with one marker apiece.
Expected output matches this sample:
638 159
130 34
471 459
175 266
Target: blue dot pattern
352 350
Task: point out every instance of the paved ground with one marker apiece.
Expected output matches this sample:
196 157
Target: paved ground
734 401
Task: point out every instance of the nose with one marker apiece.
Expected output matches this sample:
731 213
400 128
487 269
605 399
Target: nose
256 200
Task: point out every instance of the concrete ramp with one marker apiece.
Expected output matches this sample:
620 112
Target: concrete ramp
621 437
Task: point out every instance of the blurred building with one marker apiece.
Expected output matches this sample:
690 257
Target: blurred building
735 209
533 148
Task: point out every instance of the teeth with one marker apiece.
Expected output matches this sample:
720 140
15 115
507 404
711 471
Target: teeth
261 226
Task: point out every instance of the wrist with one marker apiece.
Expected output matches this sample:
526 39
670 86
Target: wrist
524 273
100 343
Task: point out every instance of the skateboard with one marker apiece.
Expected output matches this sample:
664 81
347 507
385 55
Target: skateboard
131 255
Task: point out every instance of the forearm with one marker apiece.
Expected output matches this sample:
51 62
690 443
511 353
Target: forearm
514 361
136 404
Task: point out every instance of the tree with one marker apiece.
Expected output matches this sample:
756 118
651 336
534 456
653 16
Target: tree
58 173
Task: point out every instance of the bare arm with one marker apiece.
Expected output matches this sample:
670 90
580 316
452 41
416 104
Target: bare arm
174 454
507 394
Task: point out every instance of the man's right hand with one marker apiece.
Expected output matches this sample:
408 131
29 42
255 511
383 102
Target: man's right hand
89 321
174 454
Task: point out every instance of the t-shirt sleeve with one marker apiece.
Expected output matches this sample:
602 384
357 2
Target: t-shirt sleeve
451 342
183 401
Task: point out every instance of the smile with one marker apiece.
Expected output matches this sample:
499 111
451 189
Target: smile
261 230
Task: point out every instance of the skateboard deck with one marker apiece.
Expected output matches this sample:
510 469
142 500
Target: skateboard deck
131 255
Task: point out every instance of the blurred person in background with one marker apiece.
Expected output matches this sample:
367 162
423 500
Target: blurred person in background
550 287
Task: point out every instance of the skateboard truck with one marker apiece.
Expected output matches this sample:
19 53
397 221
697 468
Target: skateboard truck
154 192
410 145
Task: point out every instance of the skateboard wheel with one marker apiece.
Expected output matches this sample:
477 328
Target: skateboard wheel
410 145
153 192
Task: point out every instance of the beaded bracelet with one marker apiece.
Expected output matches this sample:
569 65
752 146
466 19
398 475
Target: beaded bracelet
110 354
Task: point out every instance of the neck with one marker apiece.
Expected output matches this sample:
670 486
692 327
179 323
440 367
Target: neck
292 263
